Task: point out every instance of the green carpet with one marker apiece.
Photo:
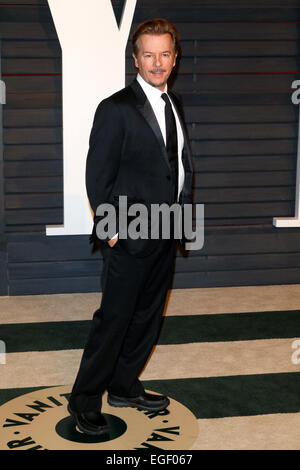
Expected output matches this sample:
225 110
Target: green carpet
52 336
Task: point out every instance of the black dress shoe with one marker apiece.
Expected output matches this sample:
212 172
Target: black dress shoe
146 401
90 422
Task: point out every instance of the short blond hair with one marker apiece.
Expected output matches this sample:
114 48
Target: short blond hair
155 26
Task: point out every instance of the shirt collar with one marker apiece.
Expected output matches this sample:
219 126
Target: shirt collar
152 93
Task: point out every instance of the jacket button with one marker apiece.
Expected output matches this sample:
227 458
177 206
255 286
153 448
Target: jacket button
168 177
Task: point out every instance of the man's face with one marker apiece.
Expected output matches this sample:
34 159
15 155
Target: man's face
156 59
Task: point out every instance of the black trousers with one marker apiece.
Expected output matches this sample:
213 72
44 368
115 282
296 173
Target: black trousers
126 326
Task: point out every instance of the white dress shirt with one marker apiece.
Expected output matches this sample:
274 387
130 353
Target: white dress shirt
158 105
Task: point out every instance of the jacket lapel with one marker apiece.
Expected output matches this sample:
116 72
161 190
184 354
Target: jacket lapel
145 108
187 146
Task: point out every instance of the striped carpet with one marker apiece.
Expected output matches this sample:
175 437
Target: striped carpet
228 354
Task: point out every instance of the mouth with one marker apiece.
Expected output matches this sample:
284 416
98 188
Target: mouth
157 73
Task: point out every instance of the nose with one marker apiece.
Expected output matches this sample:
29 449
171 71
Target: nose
157 60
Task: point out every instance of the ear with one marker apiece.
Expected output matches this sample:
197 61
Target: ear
135 60
175 59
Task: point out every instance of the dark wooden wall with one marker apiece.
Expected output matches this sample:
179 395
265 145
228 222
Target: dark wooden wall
3 248
239 58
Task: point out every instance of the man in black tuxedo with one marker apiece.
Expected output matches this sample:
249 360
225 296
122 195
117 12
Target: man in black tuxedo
139 148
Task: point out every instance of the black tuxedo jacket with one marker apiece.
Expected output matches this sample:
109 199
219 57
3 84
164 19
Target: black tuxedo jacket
127 157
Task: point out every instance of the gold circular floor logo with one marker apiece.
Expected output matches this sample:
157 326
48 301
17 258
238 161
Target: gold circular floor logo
40 420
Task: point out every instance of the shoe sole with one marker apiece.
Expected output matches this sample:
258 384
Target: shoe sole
87 431
118 403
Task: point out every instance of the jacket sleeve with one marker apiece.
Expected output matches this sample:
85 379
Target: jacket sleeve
104 155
